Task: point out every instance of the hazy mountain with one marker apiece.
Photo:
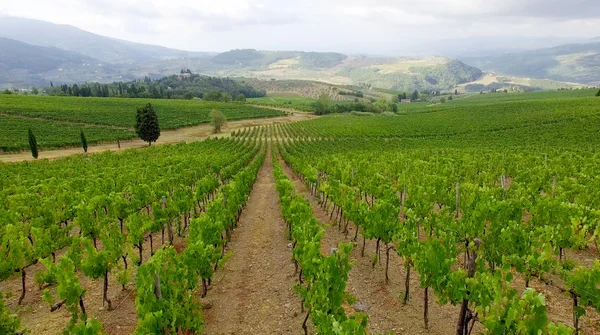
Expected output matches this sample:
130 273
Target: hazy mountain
65 54
474 46
19 55
24 65
570 62
434 73
74 39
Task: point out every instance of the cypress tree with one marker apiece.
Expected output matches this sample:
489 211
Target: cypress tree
146 125
33 144
84 143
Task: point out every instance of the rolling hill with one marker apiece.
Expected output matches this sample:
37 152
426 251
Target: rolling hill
570 62
436 73
71 38
25 65
37 52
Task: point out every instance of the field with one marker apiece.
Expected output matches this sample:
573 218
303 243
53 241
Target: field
113 118
51 134
286 101
295 102
477 216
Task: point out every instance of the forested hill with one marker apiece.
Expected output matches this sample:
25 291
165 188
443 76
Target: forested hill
185 85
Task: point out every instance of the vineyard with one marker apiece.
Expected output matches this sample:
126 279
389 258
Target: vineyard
58 120
13 135
476 218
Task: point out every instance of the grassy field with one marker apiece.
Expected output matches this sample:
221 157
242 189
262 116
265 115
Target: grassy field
286 101
292 101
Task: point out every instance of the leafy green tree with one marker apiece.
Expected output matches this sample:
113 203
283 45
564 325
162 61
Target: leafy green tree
443 100
6 91
226 97
217 120
213 96
84 143
323 104
450 98
414 95
33 145
598 94
240 98
147 126
35 91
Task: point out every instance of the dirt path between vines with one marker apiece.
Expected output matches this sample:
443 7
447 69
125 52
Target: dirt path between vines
187 134
383 303
253 292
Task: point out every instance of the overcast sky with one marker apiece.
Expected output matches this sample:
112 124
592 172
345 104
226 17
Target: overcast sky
365 26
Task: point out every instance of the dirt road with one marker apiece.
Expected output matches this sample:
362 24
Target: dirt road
253 292
188 134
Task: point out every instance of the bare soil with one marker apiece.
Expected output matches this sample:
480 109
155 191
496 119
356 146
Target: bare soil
253 292
122 319
384 302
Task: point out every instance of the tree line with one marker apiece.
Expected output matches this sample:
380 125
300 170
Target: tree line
185 85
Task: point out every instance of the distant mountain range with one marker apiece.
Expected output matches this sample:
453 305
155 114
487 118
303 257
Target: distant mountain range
33 53
579 63
71 38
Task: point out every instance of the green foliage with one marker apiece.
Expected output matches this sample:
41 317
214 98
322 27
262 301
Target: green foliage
68 290
33 146
598 94
414 96
217 120
175 308
84 143
87 327
323 104
51 134
9 321
146 126
325 277
217 96
183 86
240 98
105 119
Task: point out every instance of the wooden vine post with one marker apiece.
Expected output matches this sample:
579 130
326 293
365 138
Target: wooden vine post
465 316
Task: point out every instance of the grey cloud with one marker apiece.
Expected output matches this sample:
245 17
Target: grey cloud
145 10
563 10
555 9
256 16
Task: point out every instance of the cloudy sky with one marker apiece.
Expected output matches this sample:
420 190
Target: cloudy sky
360 26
